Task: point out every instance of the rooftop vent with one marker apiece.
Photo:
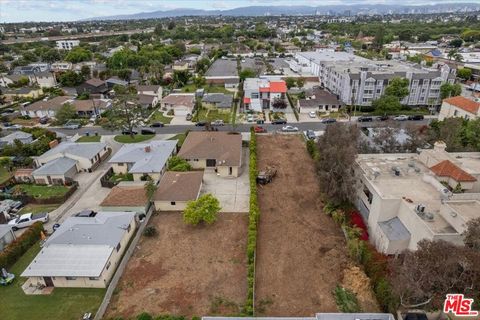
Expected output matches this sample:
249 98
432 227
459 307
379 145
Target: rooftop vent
396 171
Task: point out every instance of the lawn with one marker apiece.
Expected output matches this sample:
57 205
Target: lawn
212 115
37 208
89 139
159 117
4 174
62 304
180 137
121 177
43 192
124 138
190 88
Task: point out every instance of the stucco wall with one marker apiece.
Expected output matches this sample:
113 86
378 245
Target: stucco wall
167 206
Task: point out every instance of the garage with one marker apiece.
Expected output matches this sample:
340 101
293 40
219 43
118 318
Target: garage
180 111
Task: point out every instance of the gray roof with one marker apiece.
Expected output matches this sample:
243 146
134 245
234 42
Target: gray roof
57 166
81 246
146 157
17 135
86 150
394 229
223 68
4 229
221 100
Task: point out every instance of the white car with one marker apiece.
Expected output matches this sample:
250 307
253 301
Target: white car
312 114
289 129
401 118
27 219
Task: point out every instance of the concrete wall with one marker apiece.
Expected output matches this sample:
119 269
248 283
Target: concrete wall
119 168
167 206
223 171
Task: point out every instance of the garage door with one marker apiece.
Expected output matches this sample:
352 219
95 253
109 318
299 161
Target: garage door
180 111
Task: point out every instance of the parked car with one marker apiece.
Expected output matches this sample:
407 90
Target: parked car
365 119
289 129
157 125
279 121
148 131
400 118
416 117
128 132
201 124
7 124
43 120
86 214
312 114
27 219
72 125
259 129
189 117
218 123
383 118
250 118
328 120
310 134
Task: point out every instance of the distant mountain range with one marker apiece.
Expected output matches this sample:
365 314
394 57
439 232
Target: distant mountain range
300 10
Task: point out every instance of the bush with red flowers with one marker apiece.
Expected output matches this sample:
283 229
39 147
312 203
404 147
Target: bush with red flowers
356 220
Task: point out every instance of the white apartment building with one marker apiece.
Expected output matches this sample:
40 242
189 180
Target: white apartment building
359 81
261 93
67 44
459 107
405 198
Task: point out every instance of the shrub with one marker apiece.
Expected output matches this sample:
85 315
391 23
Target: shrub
144 316
346 300
204 209
311 148
150 231
18 247
176 163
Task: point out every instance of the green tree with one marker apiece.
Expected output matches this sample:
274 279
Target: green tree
405 35
7 163
176 163
247 73
70 78
158 29
450 90
85 71
202 65
398 88
66 112
290 82
204 209
150 188
456 43
180 78
386 105
78 54
464 73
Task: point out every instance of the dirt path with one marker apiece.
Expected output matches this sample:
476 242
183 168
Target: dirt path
301 253
186 270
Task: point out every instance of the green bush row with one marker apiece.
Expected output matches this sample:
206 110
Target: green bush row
252 225
19 246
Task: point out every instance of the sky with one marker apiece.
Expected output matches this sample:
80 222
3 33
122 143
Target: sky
71 10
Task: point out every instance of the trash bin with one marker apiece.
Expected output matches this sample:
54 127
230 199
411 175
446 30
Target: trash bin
87 134
96 133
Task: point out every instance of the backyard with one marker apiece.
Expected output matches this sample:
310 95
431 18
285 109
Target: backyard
126 138
4 175
186 270
211 115
190 88
43 191
62 303
158 116
301 253
37 208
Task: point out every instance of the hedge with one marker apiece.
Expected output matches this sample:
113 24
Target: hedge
19 246
253 216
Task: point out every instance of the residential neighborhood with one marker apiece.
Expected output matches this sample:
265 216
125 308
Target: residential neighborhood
186 160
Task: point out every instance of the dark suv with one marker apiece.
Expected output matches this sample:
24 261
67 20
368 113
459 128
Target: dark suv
416 117
365 119
279 121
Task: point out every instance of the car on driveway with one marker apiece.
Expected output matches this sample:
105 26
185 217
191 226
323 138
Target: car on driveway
365 119
312 114
416 117
201 124
310 134
27 219
279 121
400 118
259 129
148 131
157 125
289 129
328 120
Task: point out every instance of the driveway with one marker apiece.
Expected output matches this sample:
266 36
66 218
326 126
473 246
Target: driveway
180 120
233 193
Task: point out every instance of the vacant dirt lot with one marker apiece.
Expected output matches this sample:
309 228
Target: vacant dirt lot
301 253
186 270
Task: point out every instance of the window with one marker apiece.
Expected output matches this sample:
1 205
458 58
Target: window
71 278
173 203
455 113
195 159
129 228
118 247
93 278
254 95
108 265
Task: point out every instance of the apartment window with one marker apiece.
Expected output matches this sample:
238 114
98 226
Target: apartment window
94 278
71 278
108 265
118 247
172 203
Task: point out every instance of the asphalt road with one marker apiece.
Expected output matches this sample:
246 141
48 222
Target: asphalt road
302 126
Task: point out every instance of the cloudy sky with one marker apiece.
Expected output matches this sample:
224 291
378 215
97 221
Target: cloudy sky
68 10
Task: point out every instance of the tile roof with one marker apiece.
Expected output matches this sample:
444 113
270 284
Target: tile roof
447 168
179 186
278 86
125 196
225 147
464 103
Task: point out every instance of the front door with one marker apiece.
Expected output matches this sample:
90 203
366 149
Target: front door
211 162
48 281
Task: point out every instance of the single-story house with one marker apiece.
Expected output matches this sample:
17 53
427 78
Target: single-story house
319 101
23 175
151 90
219 101
23 137
459 107
144 159
60 164
6 236
88 108
147 101
111 82
221 151
93 86
126 197
176 189
83 252
180 103
44 108
24 92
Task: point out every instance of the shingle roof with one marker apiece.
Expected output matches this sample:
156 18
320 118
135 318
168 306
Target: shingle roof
87 105
219 99
17 135
57 166
144 162
464 103
145 99
225 147
52 104
125 196
446 168
179 186
95 82
86 149
81 246
186 99
142 88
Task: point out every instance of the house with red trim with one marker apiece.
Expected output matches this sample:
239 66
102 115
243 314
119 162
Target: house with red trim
261 93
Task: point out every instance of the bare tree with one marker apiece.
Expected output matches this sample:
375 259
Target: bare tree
335 166
472 234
